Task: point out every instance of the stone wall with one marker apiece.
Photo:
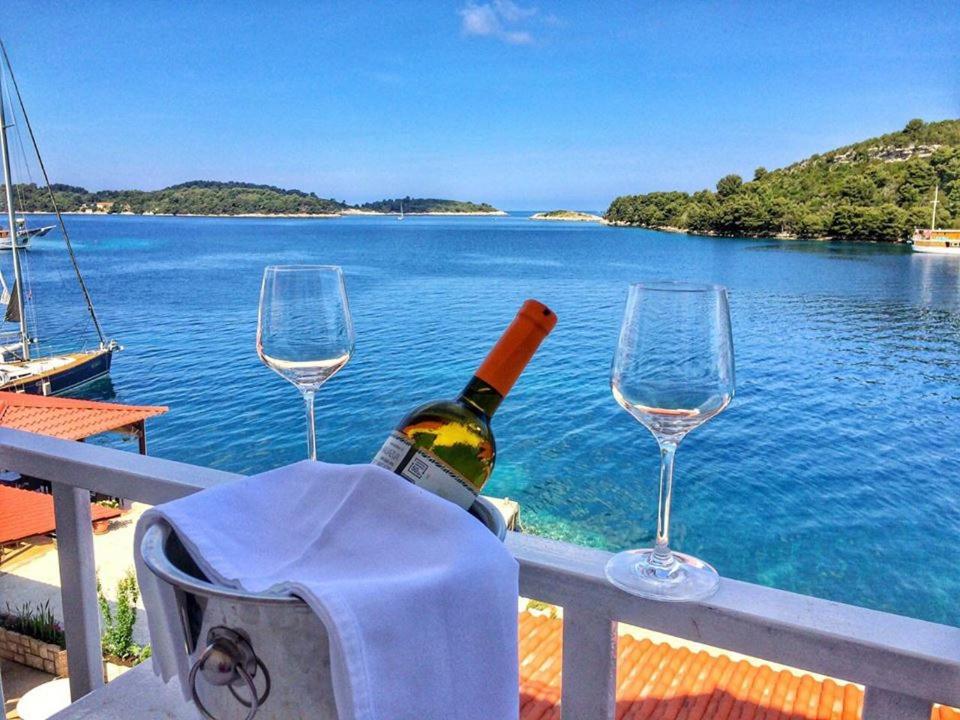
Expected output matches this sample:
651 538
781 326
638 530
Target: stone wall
33 653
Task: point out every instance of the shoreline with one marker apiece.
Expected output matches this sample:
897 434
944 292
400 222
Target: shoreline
439 213
539 217
322 216
777 236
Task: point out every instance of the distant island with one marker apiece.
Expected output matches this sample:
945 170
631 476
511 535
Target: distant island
876 190
213 198
427 206
568 215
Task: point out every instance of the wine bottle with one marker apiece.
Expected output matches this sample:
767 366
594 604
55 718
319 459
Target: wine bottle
447 446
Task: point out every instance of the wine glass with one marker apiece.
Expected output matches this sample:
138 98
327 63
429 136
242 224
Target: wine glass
673 371
304 329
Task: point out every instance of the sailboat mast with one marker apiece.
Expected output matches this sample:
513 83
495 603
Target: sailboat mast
12 231
933 218
53 200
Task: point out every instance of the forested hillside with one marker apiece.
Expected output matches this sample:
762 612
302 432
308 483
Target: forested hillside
877 190
201 197
427 205
206 197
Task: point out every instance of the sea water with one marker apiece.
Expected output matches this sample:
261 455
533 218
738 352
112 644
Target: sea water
834 472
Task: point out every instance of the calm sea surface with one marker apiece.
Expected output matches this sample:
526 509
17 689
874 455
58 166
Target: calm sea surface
834 472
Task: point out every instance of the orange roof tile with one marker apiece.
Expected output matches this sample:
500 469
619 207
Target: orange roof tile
24 513
656 681
68 418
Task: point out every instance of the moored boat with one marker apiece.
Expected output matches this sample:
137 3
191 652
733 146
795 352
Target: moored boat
939 241
935 240
19 370
24 235
57 373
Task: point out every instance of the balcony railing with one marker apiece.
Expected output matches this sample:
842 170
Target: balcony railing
905 665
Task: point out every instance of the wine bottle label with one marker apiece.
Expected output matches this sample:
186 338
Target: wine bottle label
420 467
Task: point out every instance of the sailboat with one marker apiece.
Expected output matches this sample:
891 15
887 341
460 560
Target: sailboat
940 241
24 234
400 217
22 370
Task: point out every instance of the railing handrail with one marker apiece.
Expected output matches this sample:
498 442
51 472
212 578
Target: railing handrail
865 646
891 654
104 470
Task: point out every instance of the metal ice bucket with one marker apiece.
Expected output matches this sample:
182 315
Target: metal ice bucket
262 655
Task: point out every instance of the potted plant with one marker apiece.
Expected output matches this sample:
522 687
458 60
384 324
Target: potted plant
100 527
31 636
117 639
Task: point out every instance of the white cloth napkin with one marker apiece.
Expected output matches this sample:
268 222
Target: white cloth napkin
419 599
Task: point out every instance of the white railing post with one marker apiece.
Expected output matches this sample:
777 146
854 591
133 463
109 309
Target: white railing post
880 704
78 588
589 677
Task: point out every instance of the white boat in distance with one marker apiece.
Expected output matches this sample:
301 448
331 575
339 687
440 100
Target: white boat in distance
24 235
939 241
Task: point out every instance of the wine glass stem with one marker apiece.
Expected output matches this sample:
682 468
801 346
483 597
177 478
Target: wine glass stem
661 552
308 397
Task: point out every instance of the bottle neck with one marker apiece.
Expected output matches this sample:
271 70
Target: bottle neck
481 396
516 346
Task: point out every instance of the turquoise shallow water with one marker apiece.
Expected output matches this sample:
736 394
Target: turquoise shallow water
834 472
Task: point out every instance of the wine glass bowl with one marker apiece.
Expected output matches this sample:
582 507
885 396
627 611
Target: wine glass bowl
304 329
673 371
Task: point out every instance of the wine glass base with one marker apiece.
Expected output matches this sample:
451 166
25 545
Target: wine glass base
685 579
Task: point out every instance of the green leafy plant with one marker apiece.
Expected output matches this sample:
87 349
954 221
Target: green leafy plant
35 621
117 625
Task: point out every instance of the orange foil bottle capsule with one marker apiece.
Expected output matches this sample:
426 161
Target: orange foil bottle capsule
447 446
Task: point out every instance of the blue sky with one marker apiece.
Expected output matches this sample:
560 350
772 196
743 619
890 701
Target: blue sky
530 104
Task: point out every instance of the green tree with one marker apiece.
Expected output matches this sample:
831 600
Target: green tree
857 189
742 214
701 218
729 185
813 225
914 127
918 182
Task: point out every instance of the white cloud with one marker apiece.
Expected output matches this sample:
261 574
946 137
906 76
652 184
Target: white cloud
512 12
517 37
480 20
496 19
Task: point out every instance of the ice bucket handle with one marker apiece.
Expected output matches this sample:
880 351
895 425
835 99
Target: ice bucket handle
227 659
153 550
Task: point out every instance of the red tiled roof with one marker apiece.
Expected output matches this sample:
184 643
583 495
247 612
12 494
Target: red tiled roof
656 681
67 418
24 513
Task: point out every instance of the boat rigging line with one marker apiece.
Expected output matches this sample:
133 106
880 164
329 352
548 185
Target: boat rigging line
104 343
